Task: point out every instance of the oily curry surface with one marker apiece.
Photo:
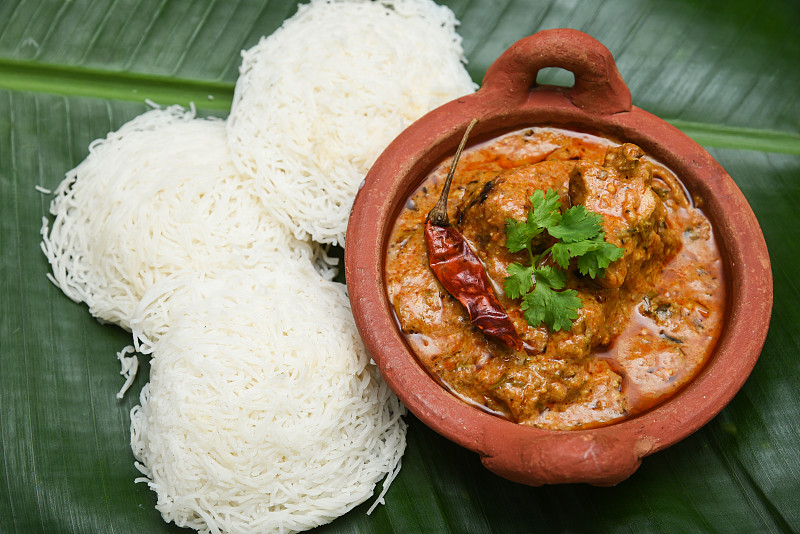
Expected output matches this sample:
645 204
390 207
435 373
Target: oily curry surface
644 329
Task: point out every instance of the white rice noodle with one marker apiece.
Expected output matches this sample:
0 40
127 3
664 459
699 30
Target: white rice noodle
129 366
156 197
319 99
263 412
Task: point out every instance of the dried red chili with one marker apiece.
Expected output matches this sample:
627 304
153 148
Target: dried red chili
461 272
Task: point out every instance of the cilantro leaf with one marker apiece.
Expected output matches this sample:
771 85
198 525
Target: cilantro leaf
577 224
550 277
593 255
519 235
562 253
579 234
595 260
545 213
519 281
544 209
557 309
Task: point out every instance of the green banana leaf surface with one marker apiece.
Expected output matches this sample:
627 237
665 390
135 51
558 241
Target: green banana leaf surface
726 72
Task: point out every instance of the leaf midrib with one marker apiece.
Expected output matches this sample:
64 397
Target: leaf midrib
115 85
210 95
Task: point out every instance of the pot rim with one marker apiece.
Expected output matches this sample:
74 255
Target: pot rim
598 103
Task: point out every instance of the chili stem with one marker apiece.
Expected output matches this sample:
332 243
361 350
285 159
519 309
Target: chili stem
438 215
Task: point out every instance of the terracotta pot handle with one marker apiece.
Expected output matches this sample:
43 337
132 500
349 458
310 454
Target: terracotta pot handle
598 88
599 458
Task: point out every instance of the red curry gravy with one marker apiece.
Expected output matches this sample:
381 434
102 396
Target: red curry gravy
645 328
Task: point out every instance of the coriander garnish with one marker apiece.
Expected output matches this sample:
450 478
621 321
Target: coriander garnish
580 235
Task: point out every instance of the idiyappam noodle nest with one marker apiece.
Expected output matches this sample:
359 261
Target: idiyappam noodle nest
158 196
263 412
318 100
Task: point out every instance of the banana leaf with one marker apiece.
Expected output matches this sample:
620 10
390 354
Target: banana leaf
727 72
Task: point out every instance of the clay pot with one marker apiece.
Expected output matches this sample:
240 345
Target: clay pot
599 103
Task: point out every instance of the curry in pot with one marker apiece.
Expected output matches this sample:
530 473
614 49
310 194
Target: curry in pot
583 343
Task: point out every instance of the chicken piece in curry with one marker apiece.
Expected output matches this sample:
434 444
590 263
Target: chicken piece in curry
643 329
